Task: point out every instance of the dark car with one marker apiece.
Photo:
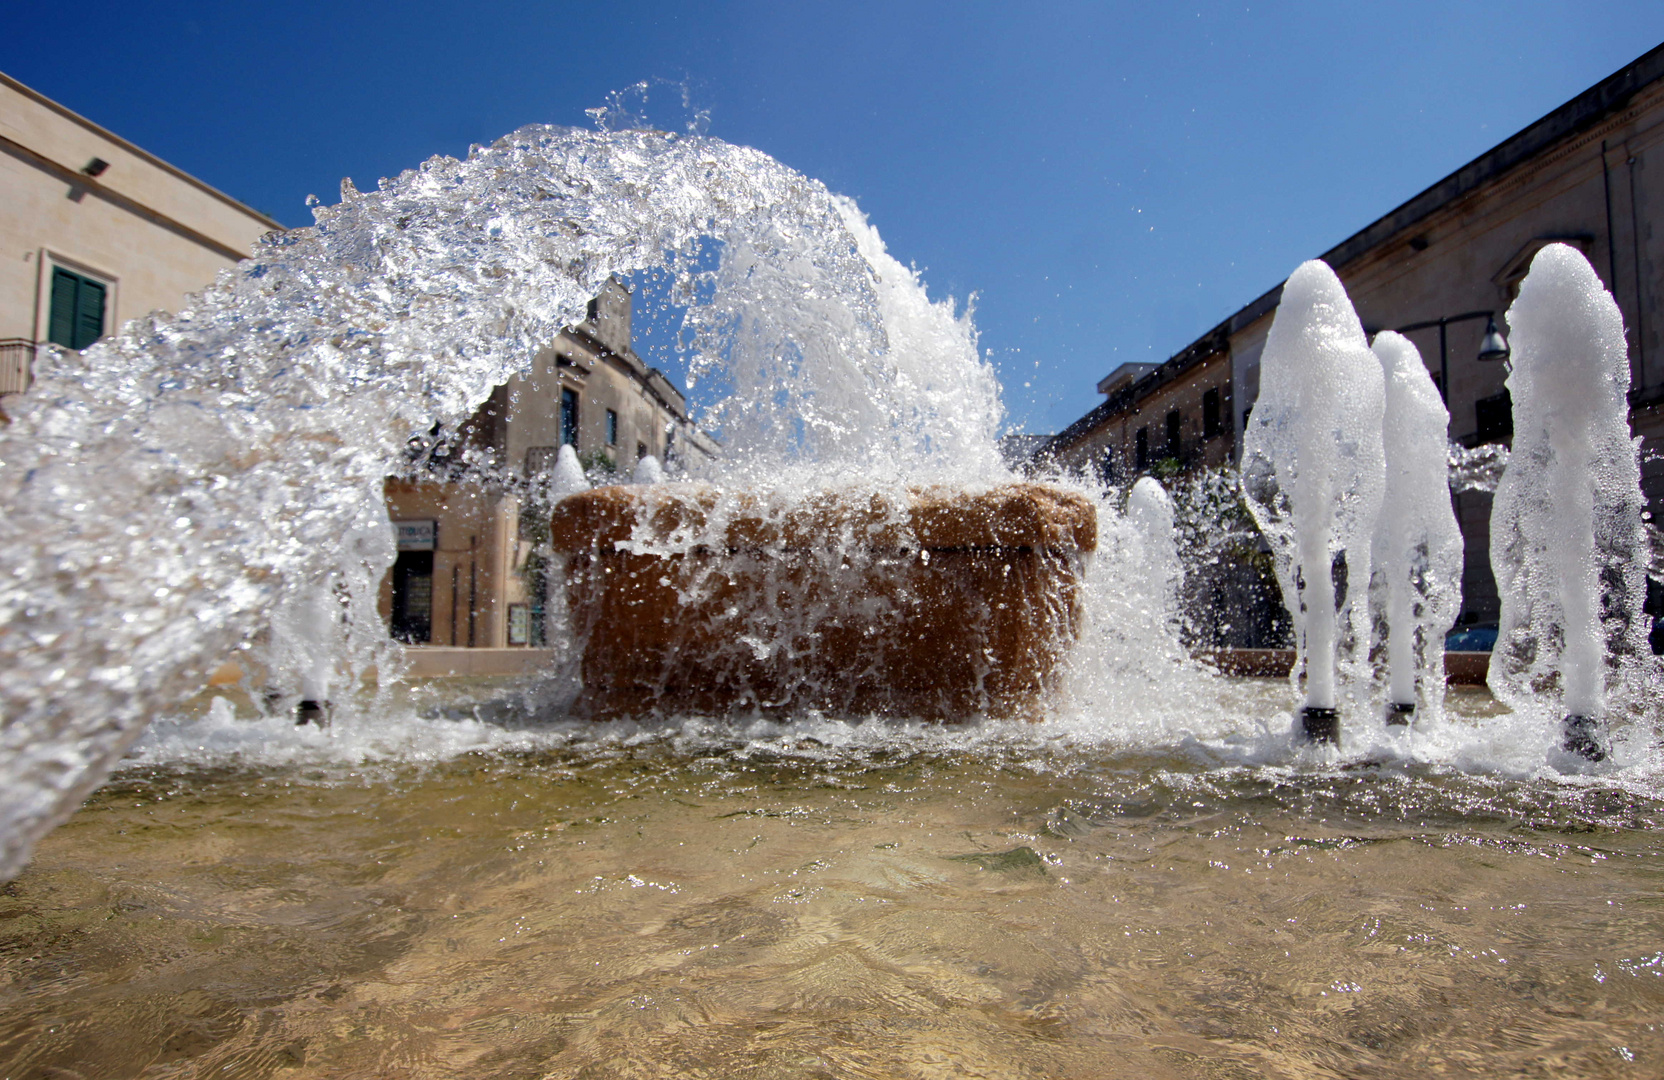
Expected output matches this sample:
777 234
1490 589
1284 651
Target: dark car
1479 638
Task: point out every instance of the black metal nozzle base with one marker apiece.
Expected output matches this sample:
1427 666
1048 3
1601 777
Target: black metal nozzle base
312 712
1321 724
1583 738
1399 713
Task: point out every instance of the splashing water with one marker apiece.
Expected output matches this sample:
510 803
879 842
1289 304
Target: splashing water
1150 512
1312 472
1418 545
1476 468
1567 541
171 486
648 471
568 478
213 481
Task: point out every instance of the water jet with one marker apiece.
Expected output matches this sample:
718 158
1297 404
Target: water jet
1312 475
311 711
1320 724
1418 544
741 827
1568 541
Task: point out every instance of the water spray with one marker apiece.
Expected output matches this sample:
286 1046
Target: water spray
1568 543
1418 543
1313 473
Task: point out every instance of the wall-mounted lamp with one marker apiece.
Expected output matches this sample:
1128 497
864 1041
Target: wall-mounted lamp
95 168
1493 346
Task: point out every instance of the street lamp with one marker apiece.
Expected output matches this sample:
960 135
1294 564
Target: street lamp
1492 347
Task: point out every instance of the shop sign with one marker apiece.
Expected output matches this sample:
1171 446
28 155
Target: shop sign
417 535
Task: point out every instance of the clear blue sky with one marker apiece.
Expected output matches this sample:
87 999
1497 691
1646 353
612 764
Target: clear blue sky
1111 180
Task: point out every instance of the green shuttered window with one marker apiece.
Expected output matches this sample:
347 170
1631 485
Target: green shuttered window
77 309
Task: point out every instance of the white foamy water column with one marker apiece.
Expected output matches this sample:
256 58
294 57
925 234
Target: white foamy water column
170 487
1150 512
569 478
1312 468
648 471
1567 544
1418 544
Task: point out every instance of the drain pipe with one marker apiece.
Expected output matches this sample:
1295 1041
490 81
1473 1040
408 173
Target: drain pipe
473 586
1611 242
1640 309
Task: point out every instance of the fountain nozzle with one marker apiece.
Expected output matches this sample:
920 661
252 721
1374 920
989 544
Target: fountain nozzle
1583 737
312 712
1322 723
1399 713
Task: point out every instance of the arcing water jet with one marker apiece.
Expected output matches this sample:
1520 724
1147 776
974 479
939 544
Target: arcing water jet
172 486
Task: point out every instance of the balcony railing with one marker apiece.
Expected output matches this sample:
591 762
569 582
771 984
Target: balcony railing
17 358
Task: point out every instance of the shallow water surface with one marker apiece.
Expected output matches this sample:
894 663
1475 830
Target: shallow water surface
663 906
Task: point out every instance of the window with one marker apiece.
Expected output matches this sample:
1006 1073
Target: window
569 417
1141 449
1495 416
1211 428
612 428
641 450
77 309
1173 421
1513 272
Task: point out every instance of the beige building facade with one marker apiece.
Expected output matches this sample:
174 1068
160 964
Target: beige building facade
1163 418
95 231
472 565
1590 174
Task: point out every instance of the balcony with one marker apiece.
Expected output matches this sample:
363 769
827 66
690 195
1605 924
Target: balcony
17 358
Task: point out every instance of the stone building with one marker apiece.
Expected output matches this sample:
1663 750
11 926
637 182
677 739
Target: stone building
1154 417
470 569
95 231
1441 267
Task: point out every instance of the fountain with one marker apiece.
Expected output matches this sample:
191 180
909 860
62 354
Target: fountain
648 471
1150 512
169 487
1418 545
1312 473
734 844
568 478
944 604
1567 541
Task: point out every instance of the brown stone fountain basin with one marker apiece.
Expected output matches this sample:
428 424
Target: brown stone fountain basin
933 603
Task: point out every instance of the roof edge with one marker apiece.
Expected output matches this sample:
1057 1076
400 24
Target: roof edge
1579 114
138 151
